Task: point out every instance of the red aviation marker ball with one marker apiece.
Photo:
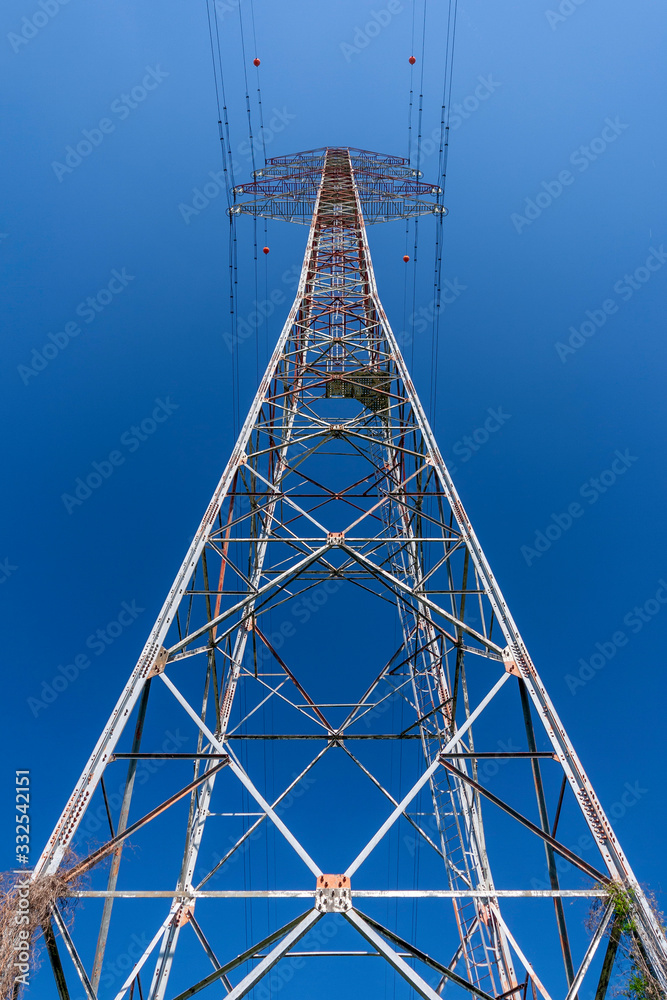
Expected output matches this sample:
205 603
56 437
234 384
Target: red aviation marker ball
255 62
265 250
412 60
406 258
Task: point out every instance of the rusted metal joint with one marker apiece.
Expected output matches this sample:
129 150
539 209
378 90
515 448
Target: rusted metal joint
332 894
185 913
511 665
159 663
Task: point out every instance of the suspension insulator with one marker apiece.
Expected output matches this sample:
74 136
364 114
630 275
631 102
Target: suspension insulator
265 250
406 258
255 62
412 60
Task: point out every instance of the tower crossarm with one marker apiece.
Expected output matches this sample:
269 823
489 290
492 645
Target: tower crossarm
386 187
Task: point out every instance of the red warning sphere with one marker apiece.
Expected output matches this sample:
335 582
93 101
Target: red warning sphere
265 250
255 62
406 258
412 60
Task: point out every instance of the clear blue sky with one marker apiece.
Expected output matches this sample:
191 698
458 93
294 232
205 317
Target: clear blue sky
556 245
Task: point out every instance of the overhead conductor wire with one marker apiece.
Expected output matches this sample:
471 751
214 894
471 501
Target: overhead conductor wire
267 832
252 158
252 140
417 165
409 155
266 354
443 156
401 705
263 140
228 174
223 126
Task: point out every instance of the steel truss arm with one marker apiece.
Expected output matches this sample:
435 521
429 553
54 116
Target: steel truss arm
141 961
249 953
238 771
446 972
419 784
74 955
419 985
56 964
300 930
394 582
598 936
559 848
522 958
111 845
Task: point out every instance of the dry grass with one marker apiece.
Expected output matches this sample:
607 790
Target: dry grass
642 984
24 906
637 979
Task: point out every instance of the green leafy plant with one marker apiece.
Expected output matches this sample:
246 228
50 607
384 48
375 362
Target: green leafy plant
638 987
636 979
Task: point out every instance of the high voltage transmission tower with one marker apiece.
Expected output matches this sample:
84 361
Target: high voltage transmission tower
358 719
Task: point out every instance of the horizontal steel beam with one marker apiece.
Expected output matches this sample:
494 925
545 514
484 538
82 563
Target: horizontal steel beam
593 893
106 849
168 756
559 848
333 737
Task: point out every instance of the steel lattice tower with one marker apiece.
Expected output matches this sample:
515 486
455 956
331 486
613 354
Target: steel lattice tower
336 489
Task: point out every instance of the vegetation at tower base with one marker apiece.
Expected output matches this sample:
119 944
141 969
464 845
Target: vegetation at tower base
625 951
26 906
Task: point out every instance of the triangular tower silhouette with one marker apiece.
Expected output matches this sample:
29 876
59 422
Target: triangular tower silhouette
306 700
